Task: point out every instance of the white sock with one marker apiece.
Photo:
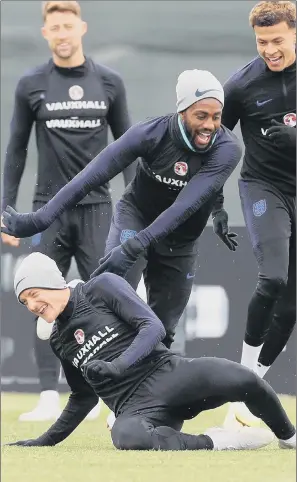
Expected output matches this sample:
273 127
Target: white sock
262 370
250 355
51 397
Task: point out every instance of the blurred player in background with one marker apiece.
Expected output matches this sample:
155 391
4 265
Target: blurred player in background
72 101
262 96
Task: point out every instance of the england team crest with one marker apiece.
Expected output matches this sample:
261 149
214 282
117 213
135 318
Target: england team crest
259 207
76 92
79 336
127 234
181 168
290 119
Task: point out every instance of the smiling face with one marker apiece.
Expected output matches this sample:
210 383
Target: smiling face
64 31
202 120
276 45
48 304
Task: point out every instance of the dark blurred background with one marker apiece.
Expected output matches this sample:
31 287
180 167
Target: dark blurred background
149 43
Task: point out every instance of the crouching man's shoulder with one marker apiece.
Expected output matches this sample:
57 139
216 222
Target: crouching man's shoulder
103 284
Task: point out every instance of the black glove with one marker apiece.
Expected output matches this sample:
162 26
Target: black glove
18 224
121 258
98 369
42 441
220 227
283 136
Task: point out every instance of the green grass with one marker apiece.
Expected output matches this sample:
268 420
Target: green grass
88 455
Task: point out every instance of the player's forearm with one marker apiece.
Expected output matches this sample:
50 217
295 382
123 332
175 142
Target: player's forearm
219 202
12 174
149 336
76 410
103 167
201 189
110 162
20 130
121 298
129 173
181 210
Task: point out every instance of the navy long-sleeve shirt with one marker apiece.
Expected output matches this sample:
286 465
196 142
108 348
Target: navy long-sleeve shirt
255 95
72 109
104 320
171 184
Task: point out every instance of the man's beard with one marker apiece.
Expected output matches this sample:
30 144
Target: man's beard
191 137
66 56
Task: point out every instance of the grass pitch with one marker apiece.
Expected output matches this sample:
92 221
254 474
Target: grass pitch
88 455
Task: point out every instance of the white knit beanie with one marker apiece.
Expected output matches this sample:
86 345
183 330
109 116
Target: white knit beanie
194 85
38 271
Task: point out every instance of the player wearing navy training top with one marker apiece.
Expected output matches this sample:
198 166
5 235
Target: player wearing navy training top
186 159
262 96
110 345
72 101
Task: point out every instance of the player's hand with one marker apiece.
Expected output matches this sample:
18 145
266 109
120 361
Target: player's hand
283 136
10 240
18 224
220 227
25 443
121 258
42 441
98 369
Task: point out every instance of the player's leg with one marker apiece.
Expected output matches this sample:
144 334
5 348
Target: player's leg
126 222
194 385
54 242
137 433
91 229
268 223
159 426
284 318
269 227
169 279
140 433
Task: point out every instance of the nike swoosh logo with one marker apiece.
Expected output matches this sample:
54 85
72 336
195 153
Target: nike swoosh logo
259 103
190 276
199 93
20 281
17 285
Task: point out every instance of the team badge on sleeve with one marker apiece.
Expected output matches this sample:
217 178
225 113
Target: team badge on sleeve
259 207
181 168
36 239
290 119
127 234
79 336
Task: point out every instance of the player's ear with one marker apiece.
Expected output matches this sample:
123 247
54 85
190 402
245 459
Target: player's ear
84 27
43 32
182 115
